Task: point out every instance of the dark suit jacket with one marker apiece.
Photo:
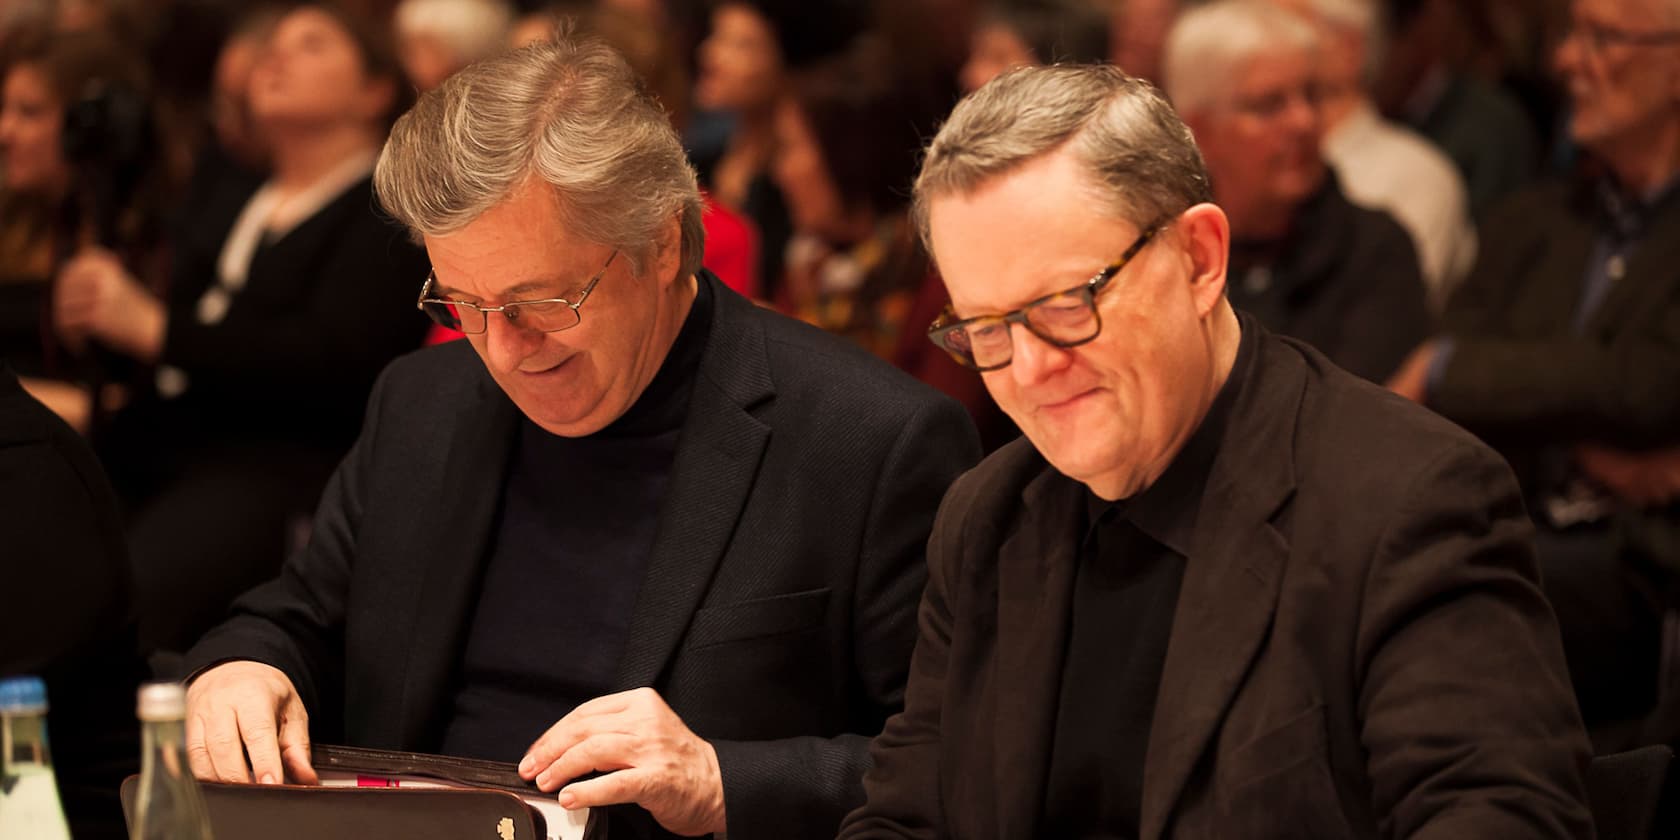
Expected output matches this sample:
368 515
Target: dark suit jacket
778 611
1346 281
69 614
1520 375
1359 647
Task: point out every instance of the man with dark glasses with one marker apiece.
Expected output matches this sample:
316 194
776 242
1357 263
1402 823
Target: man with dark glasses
658 546
1221 588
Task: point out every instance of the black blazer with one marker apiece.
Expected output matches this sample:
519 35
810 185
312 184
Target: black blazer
69 615
1347 282
778 611
1359 648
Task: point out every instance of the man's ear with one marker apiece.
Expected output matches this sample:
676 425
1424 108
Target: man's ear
1206 235
667 256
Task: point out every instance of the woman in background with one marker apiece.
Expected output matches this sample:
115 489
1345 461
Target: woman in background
279 316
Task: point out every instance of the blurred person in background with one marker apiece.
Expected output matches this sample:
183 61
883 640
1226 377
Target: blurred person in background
1304 260
1138 34
1425 83
52 205
281 310
744 66
1380 164
1563 350
846 150
1018 33
435 38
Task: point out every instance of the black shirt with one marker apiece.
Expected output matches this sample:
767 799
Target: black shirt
1131 562
573 535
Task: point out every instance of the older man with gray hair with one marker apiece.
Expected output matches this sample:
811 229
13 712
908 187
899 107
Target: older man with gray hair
1222 588
634 525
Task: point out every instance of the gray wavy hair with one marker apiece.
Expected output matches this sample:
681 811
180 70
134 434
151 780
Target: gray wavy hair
570 112
1133 145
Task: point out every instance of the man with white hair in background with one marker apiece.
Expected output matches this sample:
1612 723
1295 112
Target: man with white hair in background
1382 164
1304 260
436 38
1563 351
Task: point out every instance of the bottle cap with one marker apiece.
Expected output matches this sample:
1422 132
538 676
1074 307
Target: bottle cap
161 701
23 695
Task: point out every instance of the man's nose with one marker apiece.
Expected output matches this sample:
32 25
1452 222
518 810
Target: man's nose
1035 360
509 343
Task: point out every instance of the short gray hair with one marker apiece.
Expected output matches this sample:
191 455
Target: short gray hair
569 112
1139 154
1208 42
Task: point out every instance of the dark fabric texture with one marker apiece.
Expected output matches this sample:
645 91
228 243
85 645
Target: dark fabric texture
1488 136
1360 647
218 480
69 613
576 524
1345 280
1529 377
778 609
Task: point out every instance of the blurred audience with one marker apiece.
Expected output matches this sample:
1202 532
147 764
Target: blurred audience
74 163
1020 33
1563 349
1425 84
281 311
435 38
846 151
744 64
1381 164
1304 260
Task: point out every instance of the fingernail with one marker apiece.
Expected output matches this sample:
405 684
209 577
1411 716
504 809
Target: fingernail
567 801
525 764
268 778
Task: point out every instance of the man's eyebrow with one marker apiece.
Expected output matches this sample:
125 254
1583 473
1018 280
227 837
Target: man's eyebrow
535 287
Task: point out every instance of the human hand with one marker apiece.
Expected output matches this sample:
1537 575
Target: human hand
96 297
1411 380
247 708
1646 479
650 758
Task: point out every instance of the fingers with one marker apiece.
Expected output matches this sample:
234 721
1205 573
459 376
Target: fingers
579 724
605 751
198 755
260 732
227 750
294 745
610 789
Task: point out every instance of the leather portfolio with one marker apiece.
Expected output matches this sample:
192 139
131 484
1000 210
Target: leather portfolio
369 794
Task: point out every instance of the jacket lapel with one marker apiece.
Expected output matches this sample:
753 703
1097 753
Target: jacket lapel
456 544
1231 582
1036 571
1648 275
717 459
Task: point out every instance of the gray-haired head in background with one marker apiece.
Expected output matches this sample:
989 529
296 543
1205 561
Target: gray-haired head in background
570 113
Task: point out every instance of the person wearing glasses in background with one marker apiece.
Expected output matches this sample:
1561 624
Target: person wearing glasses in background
1221 588
1563 350
634 524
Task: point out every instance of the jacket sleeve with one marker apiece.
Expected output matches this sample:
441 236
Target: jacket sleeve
1467 714
903 784
802 787
296 621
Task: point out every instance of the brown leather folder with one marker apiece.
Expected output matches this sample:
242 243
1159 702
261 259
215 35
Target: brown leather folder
487 804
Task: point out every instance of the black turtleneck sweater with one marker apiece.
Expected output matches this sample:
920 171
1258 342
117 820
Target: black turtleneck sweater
1131 562
573 537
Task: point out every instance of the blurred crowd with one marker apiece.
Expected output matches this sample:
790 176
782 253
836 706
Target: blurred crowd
1469 201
